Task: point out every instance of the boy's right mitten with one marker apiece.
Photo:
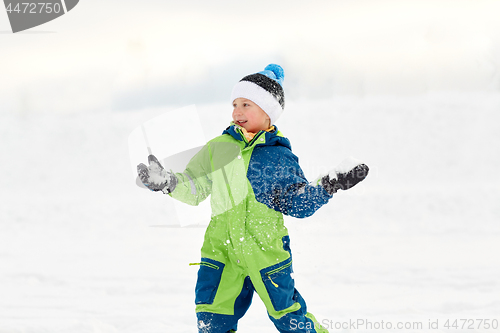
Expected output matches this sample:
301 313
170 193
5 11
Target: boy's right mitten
155 177
344 176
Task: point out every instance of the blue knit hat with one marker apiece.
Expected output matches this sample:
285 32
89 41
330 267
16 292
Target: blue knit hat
264 89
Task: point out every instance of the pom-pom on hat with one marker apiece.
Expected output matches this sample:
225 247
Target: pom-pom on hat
264 89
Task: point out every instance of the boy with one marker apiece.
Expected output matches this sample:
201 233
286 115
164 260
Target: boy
253 178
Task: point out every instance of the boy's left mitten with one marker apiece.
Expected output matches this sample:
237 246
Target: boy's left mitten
344 176
155 177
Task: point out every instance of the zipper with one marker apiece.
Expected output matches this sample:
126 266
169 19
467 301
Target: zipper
204 263
255 137
276 270
248 143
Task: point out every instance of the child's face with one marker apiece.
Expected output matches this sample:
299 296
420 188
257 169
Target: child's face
250 116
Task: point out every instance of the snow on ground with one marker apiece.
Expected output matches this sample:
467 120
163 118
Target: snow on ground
83 249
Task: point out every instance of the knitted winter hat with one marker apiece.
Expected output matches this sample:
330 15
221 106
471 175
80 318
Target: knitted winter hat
264 89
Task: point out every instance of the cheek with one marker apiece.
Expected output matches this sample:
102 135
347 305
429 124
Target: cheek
265 118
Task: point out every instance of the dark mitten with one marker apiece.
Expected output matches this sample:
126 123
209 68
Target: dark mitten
345 176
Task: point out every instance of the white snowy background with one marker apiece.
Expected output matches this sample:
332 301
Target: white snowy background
410 87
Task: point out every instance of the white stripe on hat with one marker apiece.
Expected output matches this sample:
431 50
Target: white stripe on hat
264 99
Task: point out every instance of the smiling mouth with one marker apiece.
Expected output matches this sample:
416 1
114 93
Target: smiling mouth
241 122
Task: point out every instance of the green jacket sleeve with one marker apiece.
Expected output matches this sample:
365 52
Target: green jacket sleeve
195 184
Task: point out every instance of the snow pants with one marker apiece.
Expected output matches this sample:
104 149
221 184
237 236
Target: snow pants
224 293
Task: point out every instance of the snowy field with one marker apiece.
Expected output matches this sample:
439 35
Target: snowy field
83 249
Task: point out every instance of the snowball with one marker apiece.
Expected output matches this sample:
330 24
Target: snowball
344 167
